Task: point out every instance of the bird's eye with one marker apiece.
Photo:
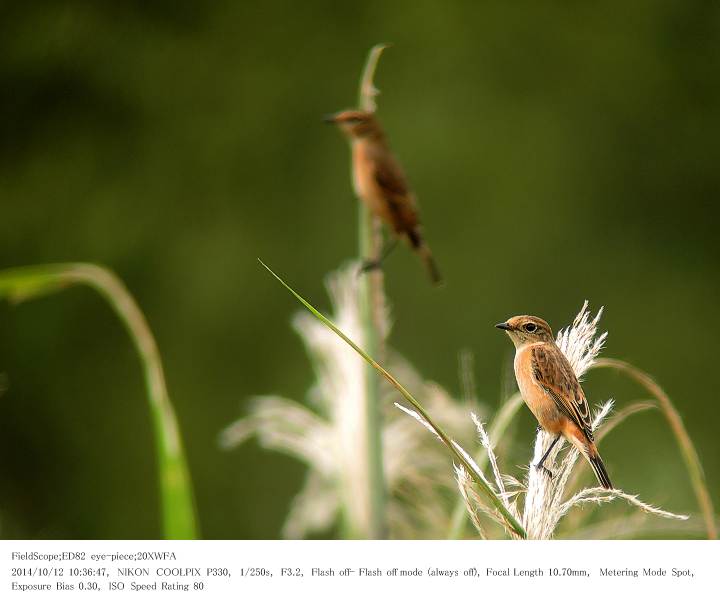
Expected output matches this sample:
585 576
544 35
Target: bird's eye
530 327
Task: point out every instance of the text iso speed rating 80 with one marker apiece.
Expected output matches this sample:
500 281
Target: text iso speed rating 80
136 579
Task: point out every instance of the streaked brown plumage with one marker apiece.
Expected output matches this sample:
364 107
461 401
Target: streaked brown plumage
551 389
380 182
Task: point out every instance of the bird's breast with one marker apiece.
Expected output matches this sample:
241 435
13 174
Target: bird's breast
364 180
523 374
537 399
362 171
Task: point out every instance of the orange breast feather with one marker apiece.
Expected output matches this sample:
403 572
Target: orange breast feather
536 398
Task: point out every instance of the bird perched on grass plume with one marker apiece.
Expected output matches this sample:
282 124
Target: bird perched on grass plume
381 185
551 390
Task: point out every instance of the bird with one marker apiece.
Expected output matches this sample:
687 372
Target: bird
552 391
380 183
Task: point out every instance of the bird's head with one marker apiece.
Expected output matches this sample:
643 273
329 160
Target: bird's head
526 329
354 123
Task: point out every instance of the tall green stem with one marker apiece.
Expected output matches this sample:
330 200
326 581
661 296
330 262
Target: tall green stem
371 304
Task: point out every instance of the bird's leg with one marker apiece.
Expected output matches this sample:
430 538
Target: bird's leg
539 465
371 265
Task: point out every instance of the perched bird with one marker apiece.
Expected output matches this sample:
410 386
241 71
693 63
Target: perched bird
381 185
551 390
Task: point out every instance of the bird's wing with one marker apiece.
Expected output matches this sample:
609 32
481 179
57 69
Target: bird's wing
390 177
393 184
553 372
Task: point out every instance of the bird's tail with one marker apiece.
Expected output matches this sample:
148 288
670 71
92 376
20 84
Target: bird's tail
430 265
426 256
599 467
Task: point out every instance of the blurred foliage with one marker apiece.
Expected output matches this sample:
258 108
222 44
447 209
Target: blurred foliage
174 485
560 151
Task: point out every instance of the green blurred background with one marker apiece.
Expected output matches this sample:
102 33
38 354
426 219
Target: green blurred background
560 151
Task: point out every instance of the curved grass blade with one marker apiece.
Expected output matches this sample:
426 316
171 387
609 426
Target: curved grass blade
458 457
687 448
178 507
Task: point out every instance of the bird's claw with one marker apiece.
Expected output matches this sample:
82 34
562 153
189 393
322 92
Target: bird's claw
544 469
369 265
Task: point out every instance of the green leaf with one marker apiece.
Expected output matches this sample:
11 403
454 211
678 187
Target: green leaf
178 507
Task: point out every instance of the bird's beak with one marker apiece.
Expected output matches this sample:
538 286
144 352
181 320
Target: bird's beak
504 326
330 118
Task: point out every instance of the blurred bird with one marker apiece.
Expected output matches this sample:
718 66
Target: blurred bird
381 185
551 390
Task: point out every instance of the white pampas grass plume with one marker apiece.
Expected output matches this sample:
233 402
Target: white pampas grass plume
485 442
324 433
544 503
601 495
578 342
473 503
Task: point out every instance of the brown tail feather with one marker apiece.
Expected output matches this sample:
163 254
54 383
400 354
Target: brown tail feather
430 265
423 250
599 468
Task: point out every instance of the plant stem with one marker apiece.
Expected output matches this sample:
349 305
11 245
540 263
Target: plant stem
687 448
371 302
370 291
176 494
